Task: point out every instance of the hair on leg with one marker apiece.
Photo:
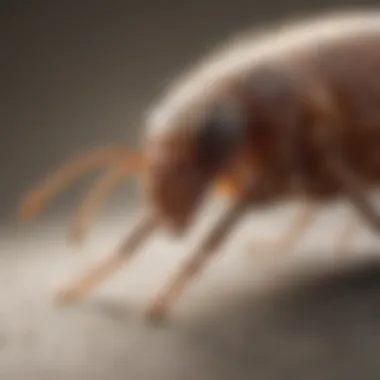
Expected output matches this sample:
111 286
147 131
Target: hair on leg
112 262
70 171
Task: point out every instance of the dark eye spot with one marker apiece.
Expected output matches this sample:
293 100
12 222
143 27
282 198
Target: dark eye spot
227 115
220 131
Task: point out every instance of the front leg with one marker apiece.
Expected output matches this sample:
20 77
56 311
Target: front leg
110 264
176 285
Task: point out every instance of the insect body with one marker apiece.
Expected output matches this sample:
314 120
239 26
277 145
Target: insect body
292 112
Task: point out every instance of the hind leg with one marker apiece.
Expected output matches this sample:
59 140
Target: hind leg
289 239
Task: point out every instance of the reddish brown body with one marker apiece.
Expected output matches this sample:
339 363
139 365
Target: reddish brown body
295 112
348 72
291 100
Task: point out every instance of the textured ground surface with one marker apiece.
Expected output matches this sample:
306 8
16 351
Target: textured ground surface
223 327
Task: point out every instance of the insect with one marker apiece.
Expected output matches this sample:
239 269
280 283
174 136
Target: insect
291 112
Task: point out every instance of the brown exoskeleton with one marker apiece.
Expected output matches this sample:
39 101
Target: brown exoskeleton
292 112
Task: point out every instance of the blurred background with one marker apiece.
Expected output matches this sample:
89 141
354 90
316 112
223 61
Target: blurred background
81 74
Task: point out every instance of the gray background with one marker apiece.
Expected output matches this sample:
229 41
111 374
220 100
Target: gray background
80 74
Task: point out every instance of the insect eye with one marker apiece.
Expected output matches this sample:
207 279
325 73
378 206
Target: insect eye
227 115
220 131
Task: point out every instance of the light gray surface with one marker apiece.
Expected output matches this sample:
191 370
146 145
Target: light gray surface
224 327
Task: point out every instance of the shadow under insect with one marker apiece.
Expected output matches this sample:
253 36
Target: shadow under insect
321 324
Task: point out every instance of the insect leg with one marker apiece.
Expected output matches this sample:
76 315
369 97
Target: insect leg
55 183
195 263
302 221
110 264
327 132
354 188
352 226
287 241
